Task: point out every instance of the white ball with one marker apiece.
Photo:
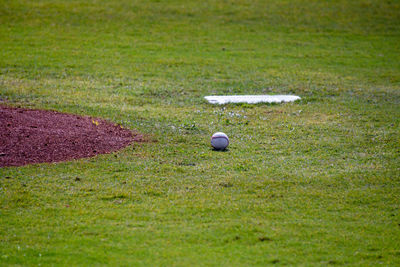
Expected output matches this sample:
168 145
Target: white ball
219 141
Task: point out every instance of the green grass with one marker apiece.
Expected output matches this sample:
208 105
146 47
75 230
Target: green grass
315 182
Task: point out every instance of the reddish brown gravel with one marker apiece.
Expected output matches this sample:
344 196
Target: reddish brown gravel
34 136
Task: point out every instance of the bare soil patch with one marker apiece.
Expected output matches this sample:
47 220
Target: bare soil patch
30 136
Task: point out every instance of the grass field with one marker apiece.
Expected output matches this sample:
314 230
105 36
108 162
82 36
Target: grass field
310 183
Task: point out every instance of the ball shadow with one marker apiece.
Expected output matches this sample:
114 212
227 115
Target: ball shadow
220 150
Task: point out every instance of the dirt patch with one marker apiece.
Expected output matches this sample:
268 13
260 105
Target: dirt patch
30 136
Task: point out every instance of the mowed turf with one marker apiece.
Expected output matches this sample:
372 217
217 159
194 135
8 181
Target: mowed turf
315 182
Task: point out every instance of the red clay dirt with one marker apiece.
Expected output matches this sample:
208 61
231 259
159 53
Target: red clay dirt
30 136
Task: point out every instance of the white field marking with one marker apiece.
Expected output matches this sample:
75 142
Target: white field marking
250 99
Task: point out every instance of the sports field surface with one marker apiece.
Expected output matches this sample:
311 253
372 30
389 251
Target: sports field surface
310 183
